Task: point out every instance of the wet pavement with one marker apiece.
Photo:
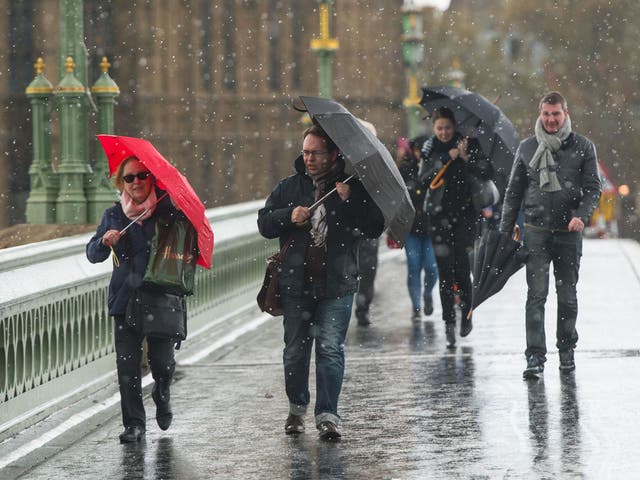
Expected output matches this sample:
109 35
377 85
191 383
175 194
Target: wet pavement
411 408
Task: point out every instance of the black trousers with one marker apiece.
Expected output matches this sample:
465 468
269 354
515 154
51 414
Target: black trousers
452 243
368 265
128 343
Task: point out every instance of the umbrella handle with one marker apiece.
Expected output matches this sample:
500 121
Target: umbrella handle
438 181
516 233
324 197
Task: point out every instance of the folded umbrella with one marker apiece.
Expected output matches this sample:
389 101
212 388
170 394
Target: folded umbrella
496 257
118 148
369 160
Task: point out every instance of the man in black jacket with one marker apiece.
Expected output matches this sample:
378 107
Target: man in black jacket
555 180
320 273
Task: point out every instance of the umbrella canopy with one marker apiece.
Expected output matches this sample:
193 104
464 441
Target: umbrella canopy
119 148
496 257
370 160
477 117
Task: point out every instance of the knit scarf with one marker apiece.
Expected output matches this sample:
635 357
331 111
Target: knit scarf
132 209
318 220
542 160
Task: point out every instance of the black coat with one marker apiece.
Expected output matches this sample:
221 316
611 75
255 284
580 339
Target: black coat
133 250
347 222
417 190
577 172
456 200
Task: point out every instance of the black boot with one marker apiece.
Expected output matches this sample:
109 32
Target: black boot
161 396
132 434
450 331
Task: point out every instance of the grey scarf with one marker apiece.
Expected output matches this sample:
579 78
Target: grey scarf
548 144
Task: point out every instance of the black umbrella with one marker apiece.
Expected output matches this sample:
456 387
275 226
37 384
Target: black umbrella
369 160
477 117
496 257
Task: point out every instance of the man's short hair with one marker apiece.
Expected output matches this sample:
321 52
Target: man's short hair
318 131
553 98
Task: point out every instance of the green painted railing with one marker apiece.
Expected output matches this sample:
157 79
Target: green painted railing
56 338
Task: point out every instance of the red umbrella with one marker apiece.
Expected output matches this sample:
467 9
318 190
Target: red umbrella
169 179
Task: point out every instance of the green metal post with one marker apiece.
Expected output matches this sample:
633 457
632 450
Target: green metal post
325 48
70 95
100 192
413 57
41 204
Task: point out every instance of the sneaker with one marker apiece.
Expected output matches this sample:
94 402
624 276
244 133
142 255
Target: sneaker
566 361
535 368
416 316
294 425
428 305
328 431
450 332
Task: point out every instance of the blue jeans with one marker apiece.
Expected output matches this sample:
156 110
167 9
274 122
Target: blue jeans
326 321
420 256
564 249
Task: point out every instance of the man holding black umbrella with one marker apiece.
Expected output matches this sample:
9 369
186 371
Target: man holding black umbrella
555 179
319 274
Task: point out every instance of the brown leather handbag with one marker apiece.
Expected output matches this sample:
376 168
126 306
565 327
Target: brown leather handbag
269 294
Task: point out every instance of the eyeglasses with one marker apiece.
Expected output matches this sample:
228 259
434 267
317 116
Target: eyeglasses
131 177
315 153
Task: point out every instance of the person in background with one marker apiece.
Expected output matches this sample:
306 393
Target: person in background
320 273
454 222
368 263
555 179
418 246
138 193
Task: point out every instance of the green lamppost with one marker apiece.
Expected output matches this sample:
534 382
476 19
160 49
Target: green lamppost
413 57
100 193
325 48
70 94
41 204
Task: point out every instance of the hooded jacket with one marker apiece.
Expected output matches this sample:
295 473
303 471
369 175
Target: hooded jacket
347 223
577 172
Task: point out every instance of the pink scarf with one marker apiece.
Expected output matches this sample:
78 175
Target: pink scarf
132 210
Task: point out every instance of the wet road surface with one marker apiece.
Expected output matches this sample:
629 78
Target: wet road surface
411 408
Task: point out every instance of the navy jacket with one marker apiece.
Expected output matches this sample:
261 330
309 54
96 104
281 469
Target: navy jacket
133 250
347 223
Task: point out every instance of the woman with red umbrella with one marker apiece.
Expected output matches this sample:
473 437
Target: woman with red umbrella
140 205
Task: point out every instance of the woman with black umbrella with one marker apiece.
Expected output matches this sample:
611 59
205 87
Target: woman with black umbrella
448 161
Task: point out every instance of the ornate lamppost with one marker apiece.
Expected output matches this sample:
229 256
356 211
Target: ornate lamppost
413 58
325 48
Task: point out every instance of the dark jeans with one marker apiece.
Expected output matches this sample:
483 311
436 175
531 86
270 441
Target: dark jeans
128 356
368 264
452 242
564 249
420 257
326 321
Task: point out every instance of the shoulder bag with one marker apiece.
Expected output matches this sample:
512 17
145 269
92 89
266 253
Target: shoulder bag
269 295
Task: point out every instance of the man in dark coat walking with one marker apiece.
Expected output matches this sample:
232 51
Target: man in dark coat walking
320 273
555 180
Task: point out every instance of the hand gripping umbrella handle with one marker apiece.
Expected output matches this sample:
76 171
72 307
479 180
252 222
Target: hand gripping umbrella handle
324 197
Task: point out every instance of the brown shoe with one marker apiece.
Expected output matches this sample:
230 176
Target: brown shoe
328 431
294 425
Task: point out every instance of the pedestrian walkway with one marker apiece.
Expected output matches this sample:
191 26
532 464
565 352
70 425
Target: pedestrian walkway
411 408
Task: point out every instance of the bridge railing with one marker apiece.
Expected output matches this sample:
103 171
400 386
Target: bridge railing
56 337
